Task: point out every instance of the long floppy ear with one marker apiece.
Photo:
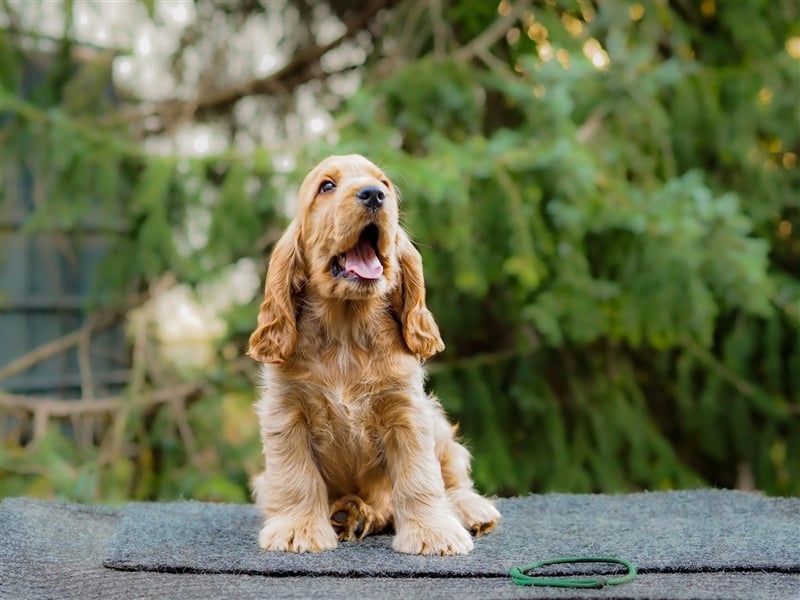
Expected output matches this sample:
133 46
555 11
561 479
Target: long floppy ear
420 331
275 337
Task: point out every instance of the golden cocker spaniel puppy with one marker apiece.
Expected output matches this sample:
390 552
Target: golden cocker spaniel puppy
352 442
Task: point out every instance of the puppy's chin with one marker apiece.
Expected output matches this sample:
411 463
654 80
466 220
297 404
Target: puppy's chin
342 287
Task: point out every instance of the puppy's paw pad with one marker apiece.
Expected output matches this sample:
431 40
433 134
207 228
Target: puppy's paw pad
351 518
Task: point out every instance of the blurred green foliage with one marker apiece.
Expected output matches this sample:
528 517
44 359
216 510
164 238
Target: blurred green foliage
607 200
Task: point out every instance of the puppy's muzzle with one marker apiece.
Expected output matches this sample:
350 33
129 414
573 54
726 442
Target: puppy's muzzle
372 197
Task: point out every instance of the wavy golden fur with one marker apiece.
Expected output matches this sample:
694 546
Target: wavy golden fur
352 442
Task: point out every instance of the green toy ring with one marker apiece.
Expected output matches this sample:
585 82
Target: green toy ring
520 575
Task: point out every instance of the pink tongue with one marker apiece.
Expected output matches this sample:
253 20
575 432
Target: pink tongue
362 261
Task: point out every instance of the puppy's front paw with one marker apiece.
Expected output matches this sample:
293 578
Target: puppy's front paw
289 535
444 536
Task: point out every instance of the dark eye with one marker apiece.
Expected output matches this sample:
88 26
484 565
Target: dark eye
326 186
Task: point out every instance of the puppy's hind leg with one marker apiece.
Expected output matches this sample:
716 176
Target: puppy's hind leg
477 514
352 519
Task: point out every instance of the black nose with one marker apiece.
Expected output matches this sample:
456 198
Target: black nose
371 196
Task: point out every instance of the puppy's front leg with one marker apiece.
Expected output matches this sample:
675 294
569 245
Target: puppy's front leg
424 520
291 491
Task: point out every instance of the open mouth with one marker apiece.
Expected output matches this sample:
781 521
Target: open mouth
361 262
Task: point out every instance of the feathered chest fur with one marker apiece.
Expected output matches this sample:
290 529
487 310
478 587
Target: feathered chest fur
342 385
351 353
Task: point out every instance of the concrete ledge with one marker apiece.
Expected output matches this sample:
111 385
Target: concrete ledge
693 544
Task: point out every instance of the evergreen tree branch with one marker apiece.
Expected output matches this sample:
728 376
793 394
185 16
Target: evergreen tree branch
95 132
96 321
43 408
479 360
59 345
297 71
739 383
492 34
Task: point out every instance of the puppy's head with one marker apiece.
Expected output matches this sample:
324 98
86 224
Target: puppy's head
344 245
348 221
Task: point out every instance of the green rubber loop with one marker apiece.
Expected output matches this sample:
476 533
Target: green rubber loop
520 575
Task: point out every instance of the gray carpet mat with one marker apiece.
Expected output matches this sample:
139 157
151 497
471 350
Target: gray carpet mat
55 550
666 532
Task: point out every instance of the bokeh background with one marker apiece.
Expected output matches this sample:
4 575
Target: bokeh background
606 195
